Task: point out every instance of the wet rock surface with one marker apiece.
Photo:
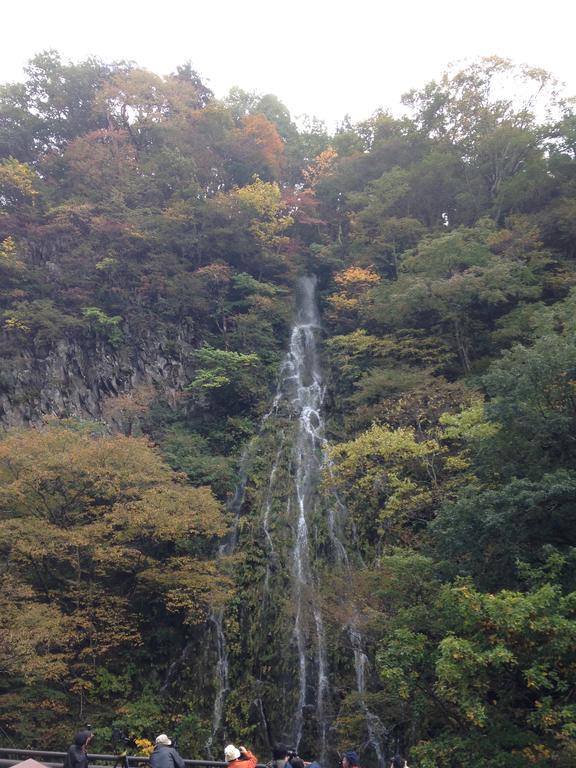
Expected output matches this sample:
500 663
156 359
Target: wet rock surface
74 379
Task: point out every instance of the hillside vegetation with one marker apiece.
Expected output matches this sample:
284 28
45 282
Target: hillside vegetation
151 237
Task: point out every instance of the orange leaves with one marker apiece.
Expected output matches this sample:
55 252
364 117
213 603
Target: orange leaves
256 147
99 163
264 135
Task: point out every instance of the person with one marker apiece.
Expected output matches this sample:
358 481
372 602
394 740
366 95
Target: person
279 756
164 754
77 755
232 757
297 762
351 760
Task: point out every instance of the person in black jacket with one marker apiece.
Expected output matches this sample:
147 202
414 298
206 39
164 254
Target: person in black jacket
77 755
164 755
279 757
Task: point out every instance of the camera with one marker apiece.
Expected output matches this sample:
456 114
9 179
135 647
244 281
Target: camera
291 753
120 737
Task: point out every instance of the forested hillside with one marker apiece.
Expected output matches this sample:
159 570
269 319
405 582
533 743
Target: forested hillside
227 517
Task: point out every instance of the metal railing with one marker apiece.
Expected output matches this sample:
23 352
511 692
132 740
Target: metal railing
10 756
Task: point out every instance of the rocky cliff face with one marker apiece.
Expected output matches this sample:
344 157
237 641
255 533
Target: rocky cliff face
78 379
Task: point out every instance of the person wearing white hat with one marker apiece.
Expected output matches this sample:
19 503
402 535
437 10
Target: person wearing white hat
164 755
239 757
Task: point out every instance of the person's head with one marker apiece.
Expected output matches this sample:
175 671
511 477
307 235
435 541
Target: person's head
163 741
296 762
231 753
350 759
280 752
83 738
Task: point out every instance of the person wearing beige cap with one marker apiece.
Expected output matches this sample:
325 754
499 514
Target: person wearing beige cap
164 755
239 757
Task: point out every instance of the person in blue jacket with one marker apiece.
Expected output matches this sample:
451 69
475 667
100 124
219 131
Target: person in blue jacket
164 755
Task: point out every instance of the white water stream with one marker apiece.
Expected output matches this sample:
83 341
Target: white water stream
300 395
217 616
301 391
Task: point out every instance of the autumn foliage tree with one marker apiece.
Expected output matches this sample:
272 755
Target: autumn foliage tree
98 537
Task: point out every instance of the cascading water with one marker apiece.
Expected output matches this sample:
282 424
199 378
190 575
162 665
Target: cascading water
301 381
300 389
300 459
374 726
217 617
268 510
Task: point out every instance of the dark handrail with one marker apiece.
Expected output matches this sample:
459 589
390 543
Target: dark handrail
22 754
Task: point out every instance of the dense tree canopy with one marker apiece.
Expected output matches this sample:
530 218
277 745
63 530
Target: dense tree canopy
150 240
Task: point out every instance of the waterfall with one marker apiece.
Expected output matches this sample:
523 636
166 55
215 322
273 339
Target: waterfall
376 729
268 510
300 388
301 369
374 726
295 428
217 616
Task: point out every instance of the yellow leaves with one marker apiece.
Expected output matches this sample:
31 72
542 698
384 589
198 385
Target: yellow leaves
136 96
342 303
379 442
58 473
107 623
8 251
144 747
384 473
264 196
189 587
12 323
16 183
537 754
354 283
476 715
35 638
405 496
30 542
457 464
178 212
357 343
360 277
269 222
171 513
85 521
321 166
264 306
470 423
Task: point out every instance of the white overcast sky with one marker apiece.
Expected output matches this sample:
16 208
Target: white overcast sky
320 58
